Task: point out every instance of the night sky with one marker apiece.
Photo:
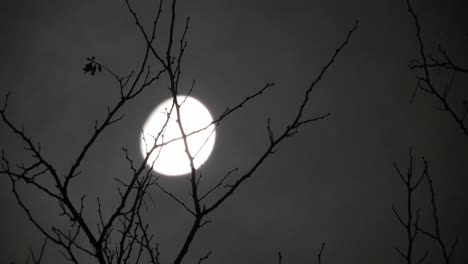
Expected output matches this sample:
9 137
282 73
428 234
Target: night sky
334 181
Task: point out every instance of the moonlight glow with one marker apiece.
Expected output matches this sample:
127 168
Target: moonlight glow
171 159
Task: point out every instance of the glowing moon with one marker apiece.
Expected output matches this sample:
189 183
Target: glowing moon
171 159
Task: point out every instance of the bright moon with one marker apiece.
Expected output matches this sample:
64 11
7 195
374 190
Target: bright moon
171 159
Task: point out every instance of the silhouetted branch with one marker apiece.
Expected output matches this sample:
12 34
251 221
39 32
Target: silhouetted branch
436 236
38 259
149 40
176 199
200 260
445 63
426 84
411 221
219 183
288 131
319 255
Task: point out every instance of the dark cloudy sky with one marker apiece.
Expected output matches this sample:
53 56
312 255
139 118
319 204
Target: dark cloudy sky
332 182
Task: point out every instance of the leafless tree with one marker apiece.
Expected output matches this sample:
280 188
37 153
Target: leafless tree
412 222
123 236
412 214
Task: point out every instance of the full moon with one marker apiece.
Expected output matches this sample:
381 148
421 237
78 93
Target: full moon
171 159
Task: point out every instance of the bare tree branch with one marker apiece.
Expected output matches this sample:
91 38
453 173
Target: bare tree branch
426 84
436 236
289 130
201 259
319 255
412 220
